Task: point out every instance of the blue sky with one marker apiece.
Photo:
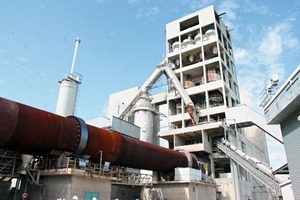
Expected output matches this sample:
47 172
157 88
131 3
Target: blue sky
123 41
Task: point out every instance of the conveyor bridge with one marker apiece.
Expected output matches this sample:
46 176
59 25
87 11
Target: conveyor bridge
267 179
244 116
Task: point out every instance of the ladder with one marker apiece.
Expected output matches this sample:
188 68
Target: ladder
267 180
156 194
152 194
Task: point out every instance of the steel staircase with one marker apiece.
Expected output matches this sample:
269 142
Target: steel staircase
268 180
152 194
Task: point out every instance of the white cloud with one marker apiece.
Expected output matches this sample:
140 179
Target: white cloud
276 152
4 62
3 59
42 73
152 11
2 82
230 7
196 5
22 59
277 40
271 46
251 7
250 83
235 11
133 2
241 56
140 12
262 59
256 61
148 14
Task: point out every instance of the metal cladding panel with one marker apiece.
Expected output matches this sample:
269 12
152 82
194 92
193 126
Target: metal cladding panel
126 128
144 119
66 98
291 136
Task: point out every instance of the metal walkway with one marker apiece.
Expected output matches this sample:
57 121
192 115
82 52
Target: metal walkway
269 181
10 162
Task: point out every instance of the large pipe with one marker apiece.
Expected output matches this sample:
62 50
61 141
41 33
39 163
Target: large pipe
145 88
37 132
190 107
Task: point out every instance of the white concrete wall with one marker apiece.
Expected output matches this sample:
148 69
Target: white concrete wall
119 100
66 186
287 191
188 191
187 174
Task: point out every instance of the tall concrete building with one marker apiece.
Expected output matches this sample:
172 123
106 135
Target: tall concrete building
199 51
199 45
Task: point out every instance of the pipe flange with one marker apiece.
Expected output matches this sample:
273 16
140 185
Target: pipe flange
81 134
196 161
188 156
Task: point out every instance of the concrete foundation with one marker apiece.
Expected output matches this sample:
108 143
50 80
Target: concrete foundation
187 190
68 186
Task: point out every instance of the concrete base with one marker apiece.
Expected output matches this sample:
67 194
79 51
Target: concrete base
87 187
187 190
187 174
67 186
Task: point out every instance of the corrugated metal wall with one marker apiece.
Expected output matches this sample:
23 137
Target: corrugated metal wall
291 136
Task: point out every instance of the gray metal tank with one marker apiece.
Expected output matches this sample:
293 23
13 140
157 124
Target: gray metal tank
144 116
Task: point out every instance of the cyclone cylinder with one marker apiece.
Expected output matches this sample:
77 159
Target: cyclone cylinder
37 132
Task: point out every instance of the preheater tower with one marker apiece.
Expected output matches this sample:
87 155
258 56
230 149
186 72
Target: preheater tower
68 89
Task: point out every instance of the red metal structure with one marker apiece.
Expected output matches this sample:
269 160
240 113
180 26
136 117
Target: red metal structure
37 132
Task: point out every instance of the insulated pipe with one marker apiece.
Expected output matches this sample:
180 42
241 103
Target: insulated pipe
187 100
145 88
151 80
166 67
190 107
37 132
